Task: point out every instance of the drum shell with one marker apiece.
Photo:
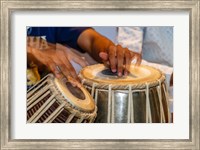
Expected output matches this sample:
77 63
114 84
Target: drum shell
139 97
45 104
123 111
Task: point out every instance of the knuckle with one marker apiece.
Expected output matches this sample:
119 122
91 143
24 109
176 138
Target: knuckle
113 66
127 53
111 54
112 60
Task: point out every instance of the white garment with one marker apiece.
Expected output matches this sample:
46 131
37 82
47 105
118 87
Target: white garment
155 43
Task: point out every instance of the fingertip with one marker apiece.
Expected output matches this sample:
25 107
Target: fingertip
119 74
126 73
114 70
58 75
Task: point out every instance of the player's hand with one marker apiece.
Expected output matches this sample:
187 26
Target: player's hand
56 58
119 59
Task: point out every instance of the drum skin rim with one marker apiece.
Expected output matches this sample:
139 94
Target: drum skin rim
86 105
152 80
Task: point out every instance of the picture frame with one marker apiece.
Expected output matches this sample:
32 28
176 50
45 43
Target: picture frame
9 7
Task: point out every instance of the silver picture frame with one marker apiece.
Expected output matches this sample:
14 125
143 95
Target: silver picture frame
9 7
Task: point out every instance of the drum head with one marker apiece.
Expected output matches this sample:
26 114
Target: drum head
77 95
138 75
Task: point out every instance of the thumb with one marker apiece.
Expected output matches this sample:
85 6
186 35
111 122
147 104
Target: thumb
137 57
103 56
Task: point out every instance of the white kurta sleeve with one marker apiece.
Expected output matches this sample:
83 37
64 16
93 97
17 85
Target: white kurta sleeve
131 38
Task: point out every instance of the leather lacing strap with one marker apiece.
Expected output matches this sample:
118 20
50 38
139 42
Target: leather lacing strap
109 103
130 106
148 108
162 116
167 100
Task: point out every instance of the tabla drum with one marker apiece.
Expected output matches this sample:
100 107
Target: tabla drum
55 101
140 97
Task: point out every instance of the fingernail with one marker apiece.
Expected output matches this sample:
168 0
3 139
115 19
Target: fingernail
120 74
125 73
73 84
114 70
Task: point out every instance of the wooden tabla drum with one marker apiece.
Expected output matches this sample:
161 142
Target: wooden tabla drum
55 101
140 97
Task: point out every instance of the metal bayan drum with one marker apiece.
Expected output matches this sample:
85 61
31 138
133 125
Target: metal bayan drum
52 100
141 97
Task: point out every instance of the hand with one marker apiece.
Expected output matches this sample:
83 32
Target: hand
56 58
102 49
73 56
119 59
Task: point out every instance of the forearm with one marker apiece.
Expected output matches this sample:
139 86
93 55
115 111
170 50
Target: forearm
94 43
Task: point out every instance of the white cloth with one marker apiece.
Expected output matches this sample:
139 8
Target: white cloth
155 43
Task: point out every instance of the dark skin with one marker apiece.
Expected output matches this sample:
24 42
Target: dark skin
103 50
99 47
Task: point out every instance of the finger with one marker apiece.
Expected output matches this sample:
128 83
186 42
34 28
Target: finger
37 42
139 60
136 56
72 56
60 61
31 41
120 60
55 70
103 56
44 44
81 61
68 69
71 70
112 58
